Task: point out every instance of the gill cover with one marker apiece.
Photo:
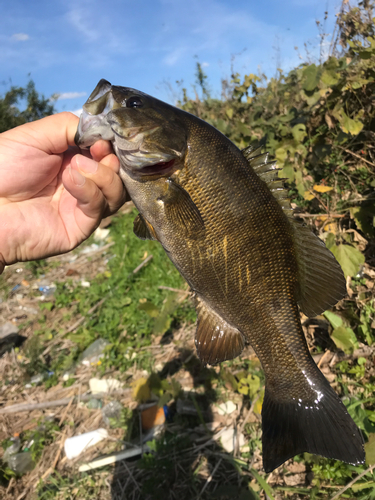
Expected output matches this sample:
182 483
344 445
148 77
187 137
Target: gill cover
144 131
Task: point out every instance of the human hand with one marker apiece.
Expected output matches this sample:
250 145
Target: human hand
51 197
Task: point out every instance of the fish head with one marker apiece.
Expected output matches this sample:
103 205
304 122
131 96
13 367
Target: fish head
148 135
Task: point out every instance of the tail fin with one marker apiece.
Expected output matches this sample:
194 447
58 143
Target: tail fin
322 427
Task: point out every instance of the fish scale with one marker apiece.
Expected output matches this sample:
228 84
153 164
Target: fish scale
224 220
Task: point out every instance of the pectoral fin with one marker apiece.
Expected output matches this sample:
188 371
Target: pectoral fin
181 210
215 339
143 229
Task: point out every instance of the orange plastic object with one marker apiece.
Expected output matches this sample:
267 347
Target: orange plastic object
151 417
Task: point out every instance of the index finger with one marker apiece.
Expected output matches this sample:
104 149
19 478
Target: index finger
52 134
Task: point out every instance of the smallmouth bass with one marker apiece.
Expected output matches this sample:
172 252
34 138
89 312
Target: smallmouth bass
223 217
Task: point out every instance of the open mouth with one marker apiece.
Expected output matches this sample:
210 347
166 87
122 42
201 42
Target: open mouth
162 168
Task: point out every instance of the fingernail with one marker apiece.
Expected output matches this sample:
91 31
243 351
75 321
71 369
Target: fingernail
86 164
77 177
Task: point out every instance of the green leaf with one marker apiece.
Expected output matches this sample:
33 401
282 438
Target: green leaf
312 99
329 78
299 132
281 154
349 258
345 339
370 450
310 77
336 321
288 172
150 309
348 125
254 384
330 240
263 484
243 387
364 217
229 113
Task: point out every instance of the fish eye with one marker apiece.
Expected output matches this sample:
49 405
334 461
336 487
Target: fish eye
134 102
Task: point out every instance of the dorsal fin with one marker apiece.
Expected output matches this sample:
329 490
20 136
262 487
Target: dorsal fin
267 170
320 277
322 282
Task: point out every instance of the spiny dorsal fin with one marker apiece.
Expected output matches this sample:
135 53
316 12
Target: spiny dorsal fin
267 170
215 339
320 277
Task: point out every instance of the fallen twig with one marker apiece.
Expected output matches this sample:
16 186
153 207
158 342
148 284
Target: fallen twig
357 156
20 407
83 318
325 355
138 268
177 290
324 358
332 216
209 479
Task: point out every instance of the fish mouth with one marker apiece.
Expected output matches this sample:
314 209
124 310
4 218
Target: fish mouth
159 169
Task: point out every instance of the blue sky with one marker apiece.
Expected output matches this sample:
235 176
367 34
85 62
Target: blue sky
68 46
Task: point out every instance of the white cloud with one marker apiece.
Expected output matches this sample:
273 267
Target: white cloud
77 112
79 19
20 37
70 95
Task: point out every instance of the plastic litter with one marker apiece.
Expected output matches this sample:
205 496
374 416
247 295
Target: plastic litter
152 417
94 404
38 379
75 445
21 462
228 439
226 408
115 457
90 248
94 352
111 413
46 288
101 234
7 329
13 448
103 385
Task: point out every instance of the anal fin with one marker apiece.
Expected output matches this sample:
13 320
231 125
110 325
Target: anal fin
215 339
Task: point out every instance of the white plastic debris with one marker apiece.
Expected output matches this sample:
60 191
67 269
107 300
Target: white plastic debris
89 249
101 234
75 445
115 457
228 439
7 329
94 352
104 385
226 408
85 284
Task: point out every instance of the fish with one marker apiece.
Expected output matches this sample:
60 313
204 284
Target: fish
224 219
